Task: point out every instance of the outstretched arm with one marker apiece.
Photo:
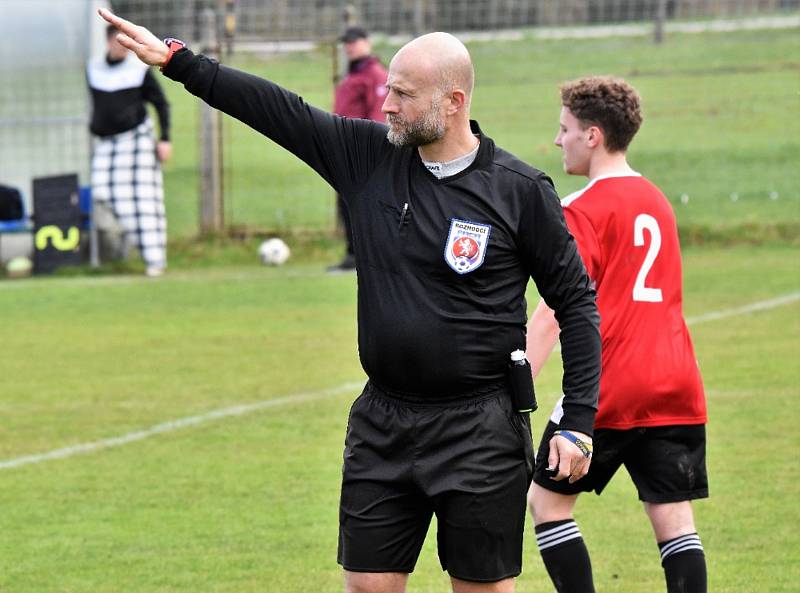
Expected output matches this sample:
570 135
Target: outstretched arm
343 152
147 47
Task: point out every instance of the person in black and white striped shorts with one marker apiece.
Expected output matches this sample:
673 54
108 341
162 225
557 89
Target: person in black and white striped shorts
126 159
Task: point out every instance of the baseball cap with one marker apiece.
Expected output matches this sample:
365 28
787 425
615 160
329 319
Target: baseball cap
353 34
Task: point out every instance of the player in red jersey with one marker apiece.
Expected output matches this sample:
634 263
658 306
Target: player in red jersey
652 411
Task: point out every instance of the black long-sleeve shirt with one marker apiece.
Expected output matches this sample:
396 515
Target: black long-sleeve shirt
425 328
120 90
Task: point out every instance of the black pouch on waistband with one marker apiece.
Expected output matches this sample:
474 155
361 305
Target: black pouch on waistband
520 378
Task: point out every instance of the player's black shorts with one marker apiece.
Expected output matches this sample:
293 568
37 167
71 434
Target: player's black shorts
666 463
469 461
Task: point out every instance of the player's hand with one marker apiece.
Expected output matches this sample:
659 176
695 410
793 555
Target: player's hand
567 458
147 47
164 150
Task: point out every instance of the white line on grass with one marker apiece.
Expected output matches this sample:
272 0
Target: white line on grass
243 275
744 310
172 425
244 409
751 308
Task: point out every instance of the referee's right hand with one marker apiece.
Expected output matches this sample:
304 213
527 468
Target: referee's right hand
147 47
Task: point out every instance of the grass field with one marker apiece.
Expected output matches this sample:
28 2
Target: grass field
185 435
242 500
721 126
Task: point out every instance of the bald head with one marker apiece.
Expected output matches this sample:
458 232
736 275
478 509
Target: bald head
428 94
439 60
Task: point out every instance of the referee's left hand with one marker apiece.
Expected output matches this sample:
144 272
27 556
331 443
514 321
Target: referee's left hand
567 458
147 47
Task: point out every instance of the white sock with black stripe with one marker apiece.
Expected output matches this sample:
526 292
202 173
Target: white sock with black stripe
684 564
565 556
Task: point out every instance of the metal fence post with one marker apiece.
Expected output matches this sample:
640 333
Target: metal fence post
211 194
661 17
230 25
350 17
419 17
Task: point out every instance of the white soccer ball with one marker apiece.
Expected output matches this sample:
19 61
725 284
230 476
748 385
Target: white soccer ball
19 267
273 252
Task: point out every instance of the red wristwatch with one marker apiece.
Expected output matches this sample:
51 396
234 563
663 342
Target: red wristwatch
173 45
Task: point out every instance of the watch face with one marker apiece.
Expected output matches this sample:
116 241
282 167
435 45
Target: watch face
170 41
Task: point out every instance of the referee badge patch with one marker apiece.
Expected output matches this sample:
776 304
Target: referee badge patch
466 245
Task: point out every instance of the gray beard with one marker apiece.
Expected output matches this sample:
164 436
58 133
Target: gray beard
426 129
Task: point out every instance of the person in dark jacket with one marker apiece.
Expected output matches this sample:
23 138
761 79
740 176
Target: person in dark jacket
360 94
449 228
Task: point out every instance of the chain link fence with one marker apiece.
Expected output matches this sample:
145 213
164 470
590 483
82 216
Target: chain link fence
43 106
43 98
321 19
265 188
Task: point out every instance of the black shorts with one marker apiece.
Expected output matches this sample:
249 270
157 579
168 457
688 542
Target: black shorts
468 461
666 463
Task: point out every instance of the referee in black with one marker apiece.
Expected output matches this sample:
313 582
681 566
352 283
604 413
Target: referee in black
447 229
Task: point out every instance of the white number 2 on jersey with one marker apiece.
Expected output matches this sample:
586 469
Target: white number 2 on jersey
640 291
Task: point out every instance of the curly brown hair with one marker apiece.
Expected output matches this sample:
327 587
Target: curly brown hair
609 103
